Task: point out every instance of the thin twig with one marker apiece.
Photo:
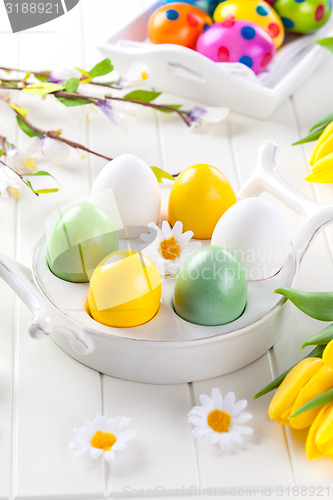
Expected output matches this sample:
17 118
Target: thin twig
18 175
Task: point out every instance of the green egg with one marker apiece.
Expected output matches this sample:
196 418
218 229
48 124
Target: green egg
303 16
81 237
211 288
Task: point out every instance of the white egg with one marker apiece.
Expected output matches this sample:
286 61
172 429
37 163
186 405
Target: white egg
128 191
257 234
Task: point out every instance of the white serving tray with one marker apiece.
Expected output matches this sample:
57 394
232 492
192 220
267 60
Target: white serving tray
183 71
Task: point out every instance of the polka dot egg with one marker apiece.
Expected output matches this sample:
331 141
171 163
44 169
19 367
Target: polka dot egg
178 23
256 11
303 16
235 40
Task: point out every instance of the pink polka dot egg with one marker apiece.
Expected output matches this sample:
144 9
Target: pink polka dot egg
235 40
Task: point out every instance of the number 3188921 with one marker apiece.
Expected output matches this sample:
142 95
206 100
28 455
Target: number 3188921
32 8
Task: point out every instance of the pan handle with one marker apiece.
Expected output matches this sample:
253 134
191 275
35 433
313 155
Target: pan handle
44 321
265 178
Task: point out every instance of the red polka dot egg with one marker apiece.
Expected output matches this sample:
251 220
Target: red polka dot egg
178 23
303 16
235 40
257 11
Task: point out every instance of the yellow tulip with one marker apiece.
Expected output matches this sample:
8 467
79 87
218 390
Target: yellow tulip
283 402
319 151
322 170
308 379
319 442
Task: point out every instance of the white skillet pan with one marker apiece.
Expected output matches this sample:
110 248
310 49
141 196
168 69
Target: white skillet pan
168 349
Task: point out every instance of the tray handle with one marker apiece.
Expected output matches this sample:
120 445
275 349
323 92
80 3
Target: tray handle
44 321
265 178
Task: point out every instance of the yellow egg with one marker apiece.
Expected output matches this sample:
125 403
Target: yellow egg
124 290
198 198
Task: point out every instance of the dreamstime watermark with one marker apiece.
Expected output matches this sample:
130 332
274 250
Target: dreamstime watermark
30 13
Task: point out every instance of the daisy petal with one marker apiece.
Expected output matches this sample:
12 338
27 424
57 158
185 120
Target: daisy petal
206 401
177 230
242 429
201 431
243 418
238 408
229 402
217 398
166 229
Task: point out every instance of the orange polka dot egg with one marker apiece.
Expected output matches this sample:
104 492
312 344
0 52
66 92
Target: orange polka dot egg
177 23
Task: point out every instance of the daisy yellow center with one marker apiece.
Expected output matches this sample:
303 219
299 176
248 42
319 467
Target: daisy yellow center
103 440
219 420
170 249
144 75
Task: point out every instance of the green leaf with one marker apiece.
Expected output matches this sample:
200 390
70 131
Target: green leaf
317 305
43 78
161 174
1 153
9 83
321 338
173 106
142 95
71 85
321 400
315 353
311 137
27 129
327 43
41 173
102 68
73 102
323 122
42 88
45 191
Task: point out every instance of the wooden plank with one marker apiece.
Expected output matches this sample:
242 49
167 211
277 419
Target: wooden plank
265 449
163 453
53 392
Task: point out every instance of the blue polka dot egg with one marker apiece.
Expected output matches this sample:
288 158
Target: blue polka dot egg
235 40
303 16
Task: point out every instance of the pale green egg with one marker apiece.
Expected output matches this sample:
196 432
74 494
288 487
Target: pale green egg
81 237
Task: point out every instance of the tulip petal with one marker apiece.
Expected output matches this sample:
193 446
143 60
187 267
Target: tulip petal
321 382
328 355
324 148
312 450
325 135
324 434
287 392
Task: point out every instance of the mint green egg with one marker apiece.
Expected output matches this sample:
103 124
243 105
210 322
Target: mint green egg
81 237
211 288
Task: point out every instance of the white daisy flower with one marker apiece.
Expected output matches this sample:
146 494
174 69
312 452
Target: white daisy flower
24 158
168 248
220 420
102 437
137 73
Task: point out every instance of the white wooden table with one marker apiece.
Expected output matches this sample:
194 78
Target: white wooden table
44 393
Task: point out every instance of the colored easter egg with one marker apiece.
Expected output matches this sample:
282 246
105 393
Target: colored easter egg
206 5
124 290
198 198
211 288
178 23
257 11
79 239
303 16
234 40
